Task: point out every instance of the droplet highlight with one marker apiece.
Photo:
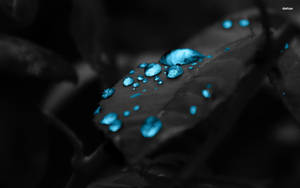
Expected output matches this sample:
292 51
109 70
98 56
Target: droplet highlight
115 126
151 127
193 110
126 113
206 93
128 81
136 107
244 23
227 24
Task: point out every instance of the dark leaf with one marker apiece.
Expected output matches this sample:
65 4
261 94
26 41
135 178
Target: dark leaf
23 12
24 59
225 72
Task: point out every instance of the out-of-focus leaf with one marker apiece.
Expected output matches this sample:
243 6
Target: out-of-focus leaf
172 100
22 59
22 12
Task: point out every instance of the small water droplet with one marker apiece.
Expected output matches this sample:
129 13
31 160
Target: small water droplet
156 78
193 110
152 69
97 111
206 94
143 65
151 127
131 72
174 71
191 68
140 77
145 80
226 49
160 82
227 24
109 118
115 125
286 46
181 57
126 113
135 85
135 95
136 107
108 93
128 81
244 22
194 63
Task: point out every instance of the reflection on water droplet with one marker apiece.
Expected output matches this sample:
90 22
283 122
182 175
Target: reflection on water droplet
131 72
97 111
136 107
136 85
142 65
181 57
193 110
126 113
160 82
152 69
135 95
206 93
115 125
151 127
140 77
109 118
145 80
128 81
244 22
108 93
174 71
227 24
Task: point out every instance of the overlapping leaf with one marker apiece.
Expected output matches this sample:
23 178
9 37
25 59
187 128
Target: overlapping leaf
171 101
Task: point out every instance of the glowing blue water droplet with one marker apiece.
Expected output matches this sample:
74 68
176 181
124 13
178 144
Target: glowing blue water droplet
286 46
206 94
109 118
151 127
160 82
227 24
97 111
142 65
152 69
115 125
156 78
174 71
193 110
191 68
131 72
135 95
128 81
194 63
244 22
135 85
140 77
145 80
181 57
108 93
226 49
136 107
126 113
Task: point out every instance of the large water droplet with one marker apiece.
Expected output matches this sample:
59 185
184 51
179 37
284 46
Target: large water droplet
136 85
193 110
152 69
244 22
174 71
227 24
97 111
135 95
140 77
143 65
109 118
126 113
128 81
115 125
151 127
206 93
108 93
181 57
136 107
